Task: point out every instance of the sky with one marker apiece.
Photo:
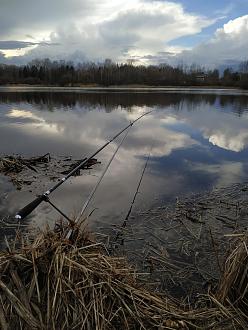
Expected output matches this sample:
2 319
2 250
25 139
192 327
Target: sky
209 33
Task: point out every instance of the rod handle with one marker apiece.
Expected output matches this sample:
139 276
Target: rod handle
26 210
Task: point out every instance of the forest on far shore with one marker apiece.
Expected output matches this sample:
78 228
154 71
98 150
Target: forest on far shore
108 73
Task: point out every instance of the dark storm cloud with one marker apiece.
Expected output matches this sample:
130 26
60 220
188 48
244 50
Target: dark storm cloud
15 44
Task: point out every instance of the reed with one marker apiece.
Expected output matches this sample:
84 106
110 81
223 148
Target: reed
49 282
233 288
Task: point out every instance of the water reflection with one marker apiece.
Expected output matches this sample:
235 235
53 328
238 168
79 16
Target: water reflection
198 141
233 101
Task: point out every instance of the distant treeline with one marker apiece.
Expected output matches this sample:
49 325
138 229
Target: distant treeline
61 73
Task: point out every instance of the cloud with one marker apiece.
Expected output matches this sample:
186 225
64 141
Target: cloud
228 45
218 128
230 140
164 141
19 18
99 29
226 173
220 131
147 26
141 30
15 44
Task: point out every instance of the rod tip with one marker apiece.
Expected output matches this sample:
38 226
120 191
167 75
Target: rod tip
18 217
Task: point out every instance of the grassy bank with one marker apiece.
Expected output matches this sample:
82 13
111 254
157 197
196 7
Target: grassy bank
49 282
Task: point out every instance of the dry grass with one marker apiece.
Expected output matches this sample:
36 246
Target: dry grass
53 283
233 288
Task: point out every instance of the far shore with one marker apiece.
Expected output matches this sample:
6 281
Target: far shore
135 88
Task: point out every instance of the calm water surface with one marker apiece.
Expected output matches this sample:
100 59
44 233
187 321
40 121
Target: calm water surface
199 141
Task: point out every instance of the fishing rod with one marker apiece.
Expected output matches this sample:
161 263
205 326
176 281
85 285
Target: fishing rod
26 210
87 202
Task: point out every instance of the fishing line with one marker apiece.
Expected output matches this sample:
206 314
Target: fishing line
119 233
91 195
101 177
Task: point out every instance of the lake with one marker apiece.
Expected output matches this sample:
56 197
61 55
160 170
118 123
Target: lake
197 140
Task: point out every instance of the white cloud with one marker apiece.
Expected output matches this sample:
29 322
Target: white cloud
228 44
230 140
147 26
163 140
102 28
218 128
99 29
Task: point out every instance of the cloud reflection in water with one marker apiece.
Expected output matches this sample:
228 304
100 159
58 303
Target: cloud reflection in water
198 142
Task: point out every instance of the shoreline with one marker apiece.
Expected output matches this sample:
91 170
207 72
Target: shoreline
124 88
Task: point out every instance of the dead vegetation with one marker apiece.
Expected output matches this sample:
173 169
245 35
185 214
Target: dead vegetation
49 282
233 288
182 247
15 164
24 171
